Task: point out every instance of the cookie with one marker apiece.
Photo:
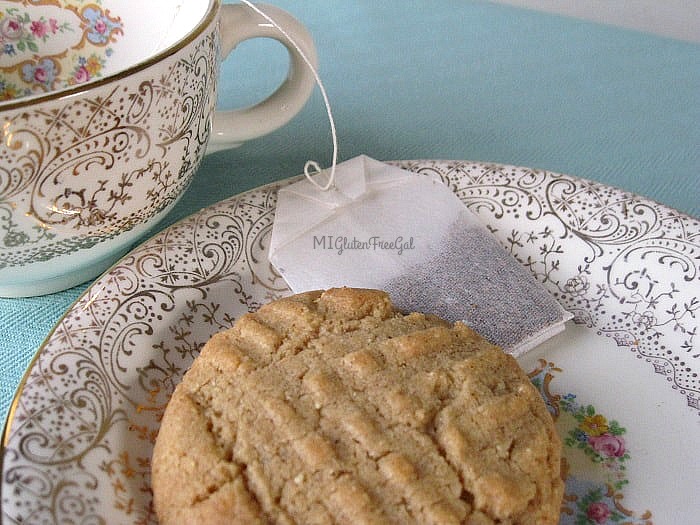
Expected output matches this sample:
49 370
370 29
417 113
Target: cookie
333 407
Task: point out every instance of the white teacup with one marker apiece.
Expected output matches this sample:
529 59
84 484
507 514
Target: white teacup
106 110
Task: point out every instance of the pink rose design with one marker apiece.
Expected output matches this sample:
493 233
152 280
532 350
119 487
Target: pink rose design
100 27
53 25
81 75
608 445
40 75
11 29
598 512
39 29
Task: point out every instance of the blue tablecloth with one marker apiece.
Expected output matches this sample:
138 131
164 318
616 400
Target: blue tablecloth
448 80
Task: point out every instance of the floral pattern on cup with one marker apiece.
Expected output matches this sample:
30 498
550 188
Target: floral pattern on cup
601 441
86 68
135 132
99 26
49 47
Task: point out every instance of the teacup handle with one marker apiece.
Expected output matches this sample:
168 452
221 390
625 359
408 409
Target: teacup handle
238 23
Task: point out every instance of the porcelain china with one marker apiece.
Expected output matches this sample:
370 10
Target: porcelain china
47 45
106 112
621 382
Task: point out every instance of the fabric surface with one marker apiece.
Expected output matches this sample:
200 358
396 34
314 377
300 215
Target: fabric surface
448 80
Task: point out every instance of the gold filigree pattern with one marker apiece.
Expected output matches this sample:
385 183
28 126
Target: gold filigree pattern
85 421
78 168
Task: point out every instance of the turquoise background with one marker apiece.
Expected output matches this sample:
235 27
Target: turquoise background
448 80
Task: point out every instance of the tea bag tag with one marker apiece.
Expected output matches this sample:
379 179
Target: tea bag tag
340 236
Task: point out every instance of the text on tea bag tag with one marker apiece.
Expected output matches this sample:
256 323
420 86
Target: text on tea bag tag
344 236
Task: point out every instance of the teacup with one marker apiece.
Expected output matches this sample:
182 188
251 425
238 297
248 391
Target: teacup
106 110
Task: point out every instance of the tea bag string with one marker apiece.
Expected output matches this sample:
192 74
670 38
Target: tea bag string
311 167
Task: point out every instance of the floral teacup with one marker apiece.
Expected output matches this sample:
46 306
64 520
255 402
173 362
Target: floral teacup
50 45
106 109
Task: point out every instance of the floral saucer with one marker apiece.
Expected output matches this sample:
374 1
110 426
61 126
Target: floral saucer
621 381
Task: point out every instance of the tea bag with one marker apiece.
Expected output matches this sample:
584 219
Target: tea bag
367 224
378 226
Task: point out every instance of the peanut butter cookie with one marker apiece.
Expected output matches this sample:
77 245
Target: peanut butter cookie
333 407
